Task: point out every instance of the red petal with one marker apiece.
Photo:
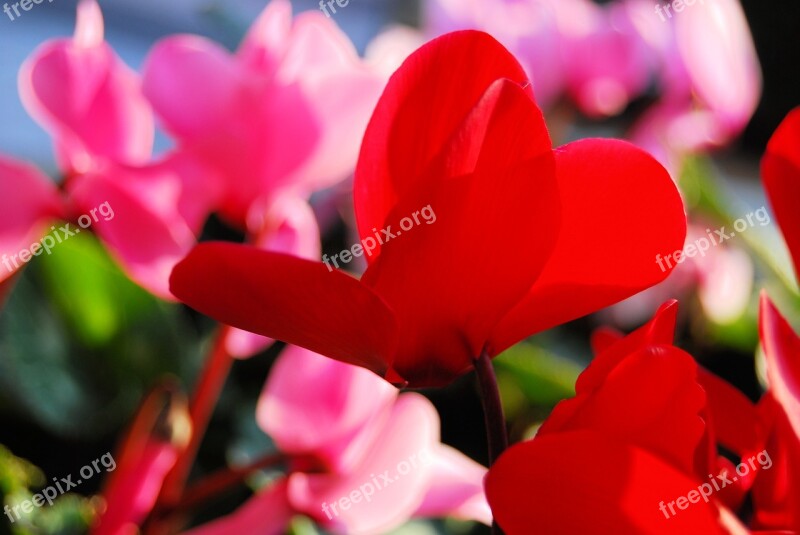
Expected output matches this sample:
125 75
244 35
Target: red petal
425 101
650 399
658 331
445 299
780 169
584 482
732 415
620 209
782 352
289 299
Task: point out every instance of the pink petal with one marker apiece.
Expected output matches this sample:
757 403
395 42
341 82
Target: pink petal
456 488
192 85
340 90
29 201
717 48
153 212
387 486
267 513
265 43
86 98
313 405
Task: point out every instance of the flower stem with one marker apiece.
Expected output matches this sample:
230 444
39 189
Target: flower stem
492 407
222 481
204 400
493 416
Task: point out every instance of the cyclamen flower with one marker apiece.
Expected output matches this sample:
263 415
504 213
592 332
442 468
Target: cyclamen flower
91 103
282 115
526 237
352 439
618 463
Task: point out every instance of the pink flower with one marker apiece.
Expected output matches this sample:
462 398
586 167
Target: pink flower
285 113
92 105
363 458
710 78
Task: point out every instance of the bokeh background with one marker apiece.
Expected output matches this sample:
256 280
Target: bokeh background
80 344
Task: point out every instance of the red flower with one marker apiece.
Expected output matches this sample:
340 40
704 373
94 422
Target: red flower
776 494
619 456
524 237
780 169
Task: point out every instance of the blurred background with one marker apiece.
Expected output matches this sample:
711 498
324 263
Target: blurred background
80 344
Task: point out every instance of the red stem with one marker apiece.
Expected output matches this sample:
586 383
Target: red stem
204 400
493 416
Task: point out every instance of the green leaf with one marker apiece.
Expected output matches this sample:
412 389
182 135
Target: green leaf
544 378
95 297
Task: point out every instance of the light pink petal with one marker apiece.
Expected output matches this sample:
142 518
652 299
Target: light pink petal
29 201
456 488
341 93
192 83
267 513
86 98
717 48
287 225
148 227
387 486
265 43
312 405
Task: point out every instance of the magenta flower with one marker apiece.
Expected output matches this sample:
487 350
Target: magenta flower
91 103
362 459
286 112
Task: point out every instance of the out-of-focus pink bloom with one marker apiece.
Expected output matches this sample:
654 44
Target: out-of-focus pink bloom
286 112
29 202
286 225
608 62
710 81
353 440
87 98
715 44
91 103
